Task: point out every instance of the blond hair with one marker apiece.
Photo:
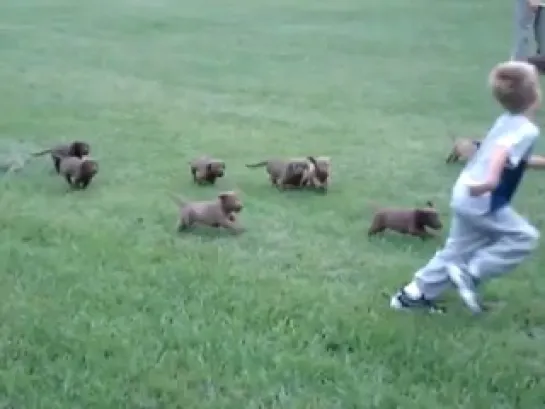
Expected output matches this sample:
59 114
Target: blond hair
515 85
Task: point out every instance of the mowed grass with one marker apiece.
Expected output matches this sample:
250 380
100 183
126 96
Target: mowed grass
103 305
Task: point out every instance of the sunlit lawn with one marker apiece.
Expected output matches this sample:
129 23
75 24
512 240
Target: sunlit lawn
103 305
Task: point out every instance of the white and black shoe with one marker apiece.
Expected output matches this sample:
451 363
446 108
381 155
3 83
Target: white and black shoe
402 301
466 286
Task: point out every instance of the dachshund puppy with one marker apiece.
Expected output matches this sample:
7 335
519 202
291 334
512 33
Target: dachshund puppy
219 212
405 221
463 149
206 169
78 172
79 149
285 173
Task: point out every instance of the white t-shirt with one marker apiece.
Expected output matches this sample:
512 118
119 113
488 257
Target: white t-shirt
518 134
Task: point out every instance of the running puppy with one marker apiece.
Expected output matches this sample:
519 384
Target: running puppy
463 149
206 169
318 176
78 172
79 149
219 212
412 222
285 173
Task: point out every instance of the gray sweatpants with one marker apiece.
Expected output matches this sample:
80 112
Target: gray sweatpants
486 246
527 25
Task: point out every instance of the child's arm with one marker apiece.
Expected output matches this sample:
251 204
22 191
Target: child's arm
511 148
536 162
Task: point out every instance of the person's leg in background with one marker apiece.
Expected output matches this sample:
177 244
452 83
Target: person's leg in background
524 27
539 29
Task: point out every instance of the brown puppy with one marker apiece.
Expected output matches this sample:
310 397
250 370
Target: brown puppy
78 149
285 173
463 149
319 175
78 172
405 221
219 212
206 169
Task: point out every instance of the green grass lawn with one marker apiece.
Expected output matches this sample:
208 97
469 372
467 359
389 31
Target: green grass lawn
103 305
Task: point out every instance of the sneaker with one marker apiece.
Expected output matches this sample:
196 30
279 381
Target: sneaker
401 301
466 288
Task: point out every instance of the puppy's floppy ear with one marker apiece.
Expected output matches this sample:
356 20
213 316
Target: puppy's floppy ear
209 168
74 149
312 160
80 149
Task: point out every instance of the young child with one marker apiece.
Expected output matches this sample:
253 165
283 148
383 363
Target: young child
487 238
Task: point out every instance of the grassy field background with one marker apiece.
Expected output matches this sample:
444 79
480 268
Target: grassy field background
103 305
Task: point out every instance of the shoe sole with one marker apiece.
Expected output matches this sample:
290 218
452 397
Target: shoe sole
397 305
468 296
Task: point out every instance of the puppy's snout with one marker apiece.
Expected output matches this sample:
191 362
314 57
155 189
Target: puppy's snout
220 172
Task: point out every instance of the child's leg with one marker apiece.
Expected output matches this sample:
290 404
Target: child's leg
514 239
432 279
524 19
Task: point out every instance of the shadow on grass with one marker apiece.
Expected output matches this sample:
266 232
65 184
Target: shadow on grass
397 241
206 233
290 192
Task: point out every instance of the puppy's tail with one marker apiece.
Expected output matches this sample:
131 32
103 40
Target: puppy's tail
40 153
257 165
180 201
